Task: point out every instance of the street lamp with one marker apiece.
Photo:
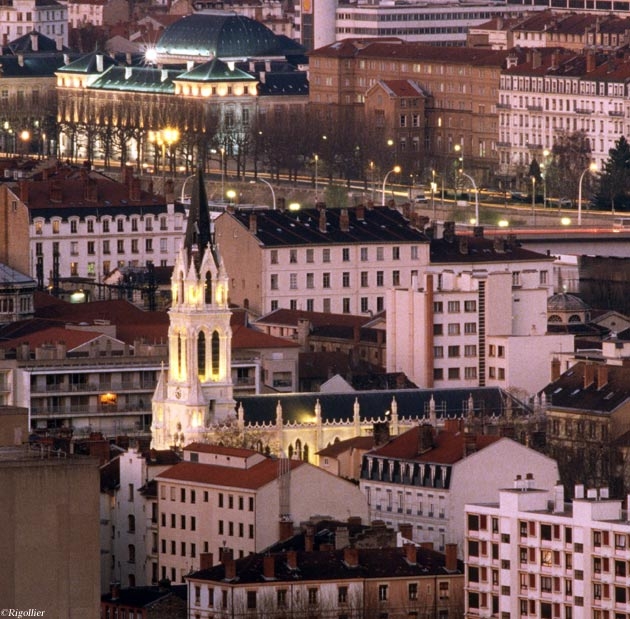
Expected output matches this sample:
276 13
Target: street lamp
472 180
459 149
273 193
395 170
534 198
183 195
316 178
25 136
591 168
164 137
222 150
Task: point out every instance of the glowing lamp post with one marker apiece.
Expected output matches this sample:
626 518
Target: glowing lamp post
395 170
591 168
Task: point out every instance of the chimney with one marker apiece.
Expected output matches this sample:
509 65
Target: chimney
351 557
590 62
463 245
285 528
478 232
344 220
470 444
448 234
34 41
253 223
135 190
426 545
529 481
380 432
55 192
225 554
91 190
309 539
205 560
589 375
555 369
406 530
411 553
24 190
322 221
360 212
269 567
114 590
578 491
292 559
230 568
21 60
425 438
536 59
342 538
602 376
453 425
99 63
451 557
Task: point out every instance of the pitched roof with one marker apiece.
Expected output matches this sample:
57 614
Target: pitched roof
244 338
237 452
448 447
330 565
291 318
275 227
72 338
252 478
358 442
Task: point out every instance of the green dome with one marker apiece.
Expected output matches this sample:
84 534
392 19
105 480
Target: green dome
207 34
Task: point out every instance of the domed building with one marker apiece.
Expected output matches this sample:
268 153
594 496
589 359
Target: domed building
209 76
567 310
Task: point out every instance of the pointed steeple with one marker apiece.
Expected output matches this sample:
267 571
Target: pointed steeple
198 235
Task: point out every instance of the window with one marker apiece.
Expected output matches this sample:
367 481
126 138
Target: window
310 280
470 350
380 278
274 256
412 590
274 281
74 248
90 225
325 280
453 373
382 593
438 329
453 328
345 254
453 307
365 305
470 306
134 246
310 255
438 307
516 278
55 226
134 225
395 278
438 352
470 373
342 595
414 252
364 279
106 248
453 351
293 281
281 598
73 226
345 279
293 256
326 255
380 254
470 328
251 600
364 254
312 596
395 253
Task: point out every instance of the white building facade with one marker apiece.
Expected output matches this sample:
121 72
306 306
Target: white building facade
23 16
531 554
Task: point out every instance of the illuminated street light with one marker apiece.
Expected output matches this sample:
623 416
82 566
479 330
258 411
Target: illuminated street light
395 170
591 168
472 180
273 193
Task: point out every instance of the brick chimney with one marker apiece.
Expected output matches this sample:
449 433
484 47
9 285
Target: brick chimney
463 245
555 369
425 438
253 223
205 560
411 553
426 545
292 559
322 221
230 569
342 538
602 376
451 557
351 557
24 190
344 220
55 191
225 554
114 590
589 375
590 62
269 567
285 528
135 190
360 212
453 425
91 190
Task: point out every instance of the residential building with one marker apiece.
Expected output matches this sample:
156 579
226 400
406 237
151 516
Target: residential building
238 497
97 12
461 87
477 306
394 582
49 536
532 554
22 17
16 295
560 91
437 23
154 602
344 458
424 477
75 222
325 260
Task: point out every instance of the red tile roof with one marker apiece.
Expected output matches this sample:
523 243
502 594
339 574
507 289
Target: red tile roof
244 337
448 446
240 452
251 478
358 442
54 335
290 318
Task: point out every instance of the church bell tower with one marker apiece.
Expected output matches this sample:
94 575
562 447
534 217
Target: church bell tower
195 391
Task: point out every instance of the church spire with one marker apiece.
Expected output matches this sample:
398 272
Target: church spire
198 235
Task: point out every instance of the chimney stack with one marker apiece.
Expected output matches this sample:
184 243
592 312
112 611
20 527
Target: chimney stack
205 560
322 221
351 557
555 369
589 374
114 590
360 212
269 567
411 553
253 223
292 559
344 220
406 530
451 557
602 376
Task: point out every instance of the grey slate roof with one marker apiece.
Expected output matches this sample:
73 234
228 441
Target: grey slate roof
411 403
10 276
277 228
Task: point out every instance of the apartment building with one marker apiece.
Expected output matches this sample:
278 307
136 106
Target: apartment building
22 17
324 260
555 91
97 12
389 582
477 307
239 498
461 85
425 476
81 223
532 554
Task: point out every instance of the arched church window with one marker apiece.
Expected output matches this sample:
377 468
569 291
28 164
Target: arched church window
208 288
201 355
305 453
298 448
179 353
216 354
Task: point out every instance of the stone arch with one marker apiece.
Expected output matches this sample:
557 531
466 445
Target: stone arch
201 355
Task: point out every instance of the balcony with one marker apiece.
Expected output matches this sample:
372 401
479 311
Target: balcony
535 108
618 113
583 110
504 106
534 146
504 144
